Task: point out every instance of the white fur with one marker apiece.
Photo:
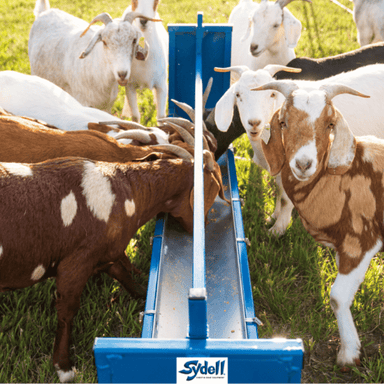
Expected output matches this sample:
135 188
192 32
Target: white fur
97 191
55 46
68 208
130 207
18 169
1 250
256 22
307 153
38 273
65 376
312 103
342 294
369 18
153 72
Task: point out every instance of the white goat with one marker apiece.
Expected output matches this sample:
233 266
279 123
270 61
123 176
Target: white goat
153 72
364 116
335 181
369 18
263 34
35 97
59 42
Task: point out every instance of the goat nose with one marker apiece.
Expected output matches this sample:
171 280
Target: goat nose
122 74
254 123
143 22
303 165
253 47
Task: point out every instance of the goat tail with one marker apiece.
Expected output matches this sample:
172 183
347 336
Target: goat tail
41 6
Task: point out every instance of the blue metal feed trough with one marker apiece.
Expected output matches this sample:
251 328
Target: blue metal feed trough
199 321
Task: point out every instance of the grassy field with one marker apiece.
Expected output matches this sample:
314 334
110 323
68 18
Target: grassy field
291 276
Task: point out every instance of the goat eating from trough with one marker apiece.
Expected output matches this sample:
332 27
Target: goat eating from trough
90 210
335 181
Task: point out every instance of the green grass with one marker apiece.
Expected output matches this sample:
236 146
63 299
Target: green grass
291 276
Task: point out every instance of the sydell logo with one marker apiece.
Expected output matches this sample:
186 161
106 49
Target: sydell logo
195 369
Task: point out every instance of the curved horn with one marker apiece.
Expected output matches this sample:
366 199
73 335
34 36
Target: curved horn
103 17
124 124
187 137
186 124
284 87
134 134
181 152
239 69
272 69
131 16
189 111
333 90
207 91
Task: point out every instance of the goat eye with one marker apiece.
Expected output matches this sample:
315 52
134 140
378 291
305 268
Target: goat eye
273 94
237 94
134 41
282 125
276 26
104 42
331 126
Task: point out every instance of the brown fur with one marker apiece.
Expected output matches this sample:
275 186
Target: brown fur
30 210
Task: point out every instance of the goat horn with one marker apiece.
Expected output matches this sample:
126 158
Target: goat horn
130 16
189 111
186 124
239 69
284 87
134 134
103 17
333 90
207 92
124 124
181 152
187 137
272 69
284 3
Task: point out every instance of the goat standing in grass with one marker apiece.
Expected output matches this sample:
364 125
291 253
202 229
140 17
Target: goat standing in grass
83 214
153 72
336 183
86 61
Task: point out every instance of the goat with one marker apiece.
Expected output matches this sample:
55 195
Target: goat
153 72
26 141
35 97
335 181
364 116
317 69
368 16
263 34
90 210
59 43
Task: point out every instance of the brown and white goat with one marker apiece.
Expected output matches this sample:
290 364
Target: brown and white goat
83 214
336 183
23 140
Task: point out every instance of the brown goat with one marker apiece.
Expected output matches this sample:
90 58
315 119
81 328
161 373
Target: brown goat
26 141
335 181
83 214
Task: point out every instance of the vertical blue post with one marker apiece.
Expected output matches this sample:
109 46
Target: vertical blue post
198 328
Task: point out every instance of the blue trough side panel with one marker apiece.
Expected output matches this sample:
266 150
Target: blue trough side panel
155 361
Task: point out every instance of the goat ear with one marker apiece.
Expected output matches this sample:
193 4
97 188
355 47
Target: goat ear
141 50
274 151
343 148
224 110
292 28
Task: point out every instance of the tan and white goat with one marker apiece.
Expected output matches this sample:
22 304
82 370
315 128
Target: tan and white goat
335 181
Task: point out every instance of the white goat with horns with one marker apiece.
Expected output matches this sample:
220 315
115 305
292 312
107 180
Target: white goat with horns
59 41
263 33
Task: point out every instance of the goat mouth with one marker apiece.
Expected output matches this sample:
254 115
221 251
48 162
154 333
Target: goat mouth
123 83
254 135
257 53
300 177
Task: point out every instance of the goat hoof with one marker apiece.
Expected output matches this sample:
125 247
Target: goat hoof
345 369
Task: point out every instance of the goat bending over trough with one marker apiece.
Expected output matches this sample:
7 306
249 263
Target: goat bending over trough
335 181
90 210
86 61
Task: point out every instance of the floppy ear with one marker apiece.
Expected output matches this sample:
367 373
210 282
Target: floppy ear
274 151
292 28
224 110
343 148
